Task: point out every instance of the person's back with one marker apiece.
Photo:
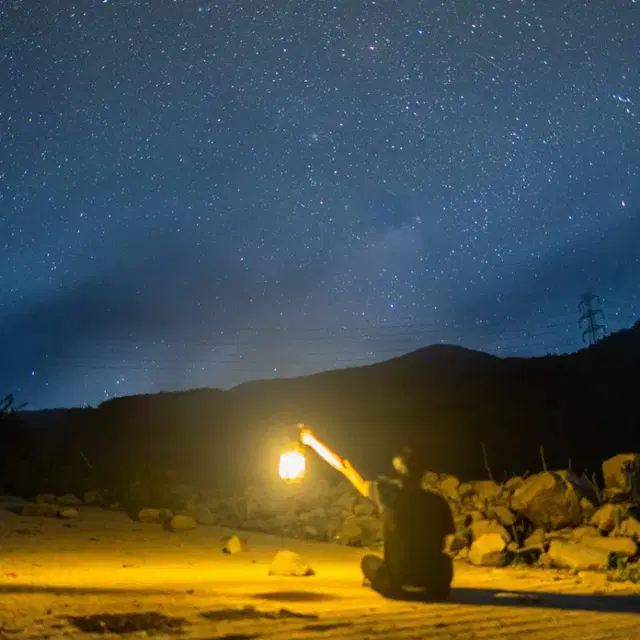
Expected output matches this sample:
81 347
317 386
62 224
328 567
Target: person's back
415 527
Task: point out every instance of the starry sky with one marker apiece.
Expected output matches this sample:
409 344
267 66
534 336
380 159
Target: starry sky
201 192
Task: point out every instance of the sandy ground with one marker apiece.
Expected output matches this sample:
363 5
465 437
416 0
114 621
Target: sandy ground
56 574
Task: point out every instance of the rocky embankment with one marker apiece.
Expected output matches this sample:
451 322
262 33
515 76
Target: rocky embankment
551 519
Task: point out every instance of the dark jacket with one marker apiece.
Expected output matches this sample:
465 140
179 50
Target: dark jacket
415 523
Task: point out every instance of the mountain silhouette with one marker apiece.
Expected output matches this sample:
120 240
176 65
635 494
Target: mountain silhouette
449 401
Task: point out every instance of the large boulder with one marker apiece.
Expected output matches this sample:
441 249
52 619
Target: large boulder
608 517
578 555
488 550
622 474
548 500
487 490
504 515
448 486
288 563
484 527
629 527
623 547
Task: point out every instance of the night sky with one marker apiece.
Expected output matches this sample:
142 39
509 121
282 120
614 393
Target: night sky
196 193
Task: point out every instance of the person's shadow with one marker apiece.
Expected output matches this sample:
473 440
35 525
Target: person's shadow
545 600
468 596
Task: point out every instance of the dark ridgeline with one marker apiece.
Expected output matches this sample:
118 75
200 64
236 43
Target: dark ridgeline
447 400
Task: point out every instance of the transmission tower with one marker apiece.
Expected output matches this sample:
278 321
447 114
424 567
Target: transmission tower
593 332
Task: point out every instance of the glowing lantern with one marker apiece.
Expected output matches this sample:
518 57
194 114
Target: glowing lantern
292 464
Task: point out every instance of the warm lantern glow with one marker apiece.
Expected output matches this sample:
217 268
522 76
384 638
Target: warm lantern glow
292 465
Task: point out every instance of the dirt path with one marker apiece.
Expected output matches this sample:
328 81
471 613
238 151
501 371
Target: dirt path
102 563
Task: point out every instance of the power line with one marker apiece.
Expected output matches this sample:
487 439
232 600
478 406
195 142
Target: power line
363 331
248 364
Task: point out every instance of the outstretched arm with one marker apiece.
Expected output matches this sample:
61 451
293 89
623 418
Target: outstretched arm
339 464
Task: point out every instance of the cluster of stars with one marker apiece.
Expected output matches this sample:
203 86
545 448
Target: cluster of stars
343 182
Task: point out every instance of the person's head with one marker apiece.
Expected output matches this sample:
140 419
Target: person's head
409 466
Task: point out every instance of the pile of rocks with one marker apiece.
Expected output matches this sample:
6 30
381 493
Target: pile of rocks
50 506
553 518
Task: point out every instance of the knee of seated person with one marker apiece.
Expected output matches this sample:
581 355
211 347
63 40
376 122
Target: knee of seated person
370 564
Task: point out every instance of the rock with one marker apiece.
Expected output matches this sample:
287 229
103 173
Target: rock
615 496
608 517
181 523
623 547
202 515
456 541
536 540
622 473
474 516
46 498
180 495
582 533
372 528
487 490
560 534
448 486
40 509
93 497
588 508
429 480
367 508
288 563
68 513
350 532
69 500
461 522
154 516
232 545
577 555
463 554
345 501
488 550
504 515
513 483
629 527
545 561
484 527
548 501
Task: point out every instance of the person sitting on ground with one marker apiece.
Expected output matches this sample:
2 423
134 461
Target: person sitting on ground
415 523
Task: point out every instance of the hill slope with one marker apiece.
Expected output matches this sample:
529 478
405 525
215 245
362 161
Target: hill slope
446 399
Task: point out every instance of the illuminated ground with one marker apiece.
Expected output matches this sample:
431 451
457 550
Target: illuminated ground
102 563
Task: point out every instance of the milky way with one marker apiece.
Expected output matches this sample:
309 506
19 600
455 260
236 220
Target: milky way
196 193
